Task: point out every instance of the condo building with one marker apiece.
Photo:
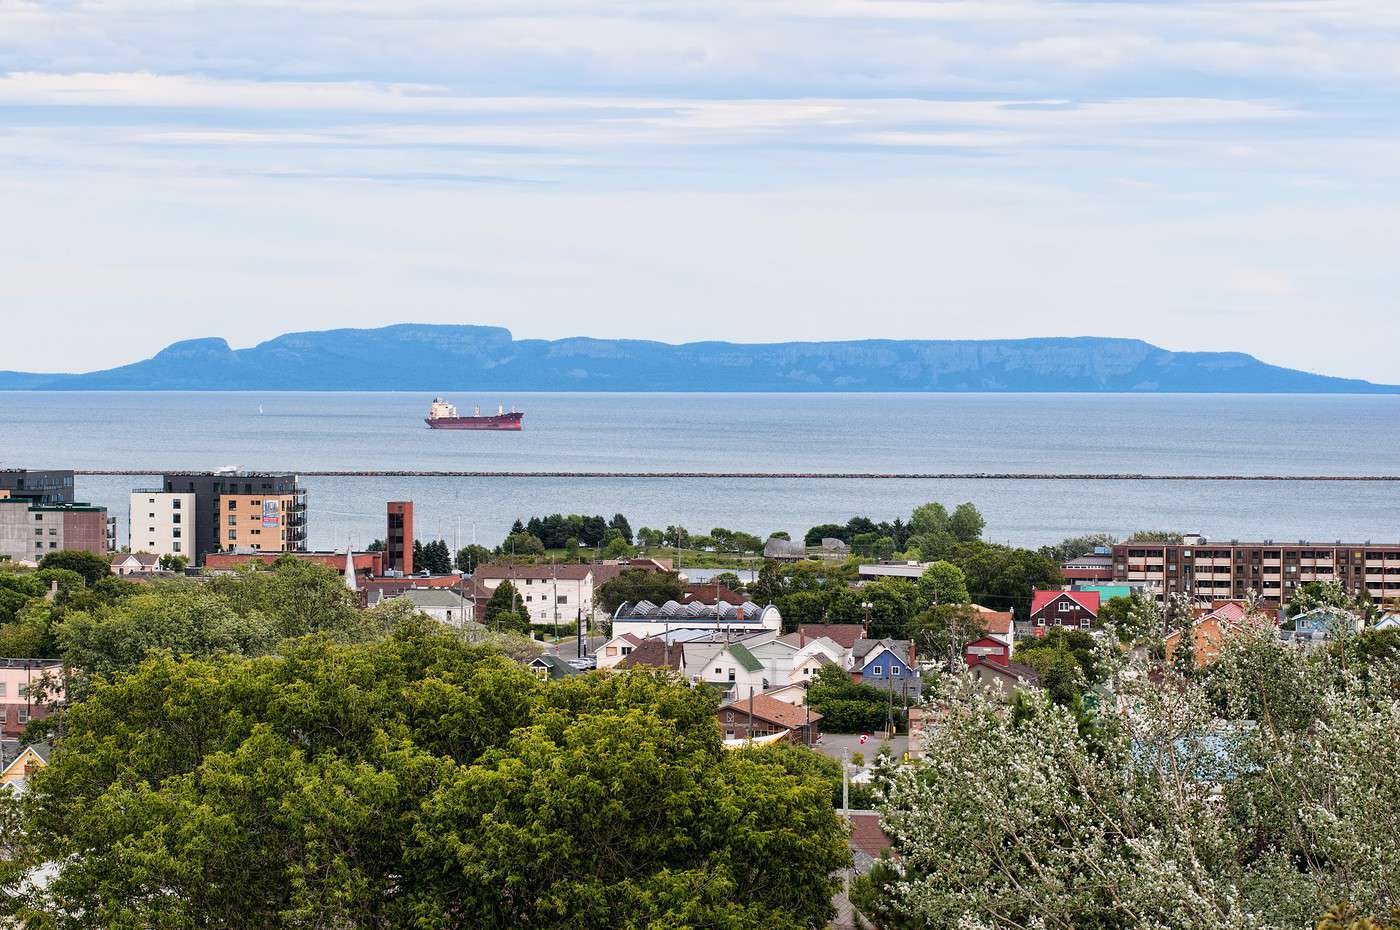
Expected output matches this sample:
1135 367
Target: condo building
162 522
242 510
1210 570
29 531
53 486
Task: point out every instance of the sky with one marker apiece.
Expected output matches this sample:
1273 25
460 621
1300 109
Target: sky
1219 175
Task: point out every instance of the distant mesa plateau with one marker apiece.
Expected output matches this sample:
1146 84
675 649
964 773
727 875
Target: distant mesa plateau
444 358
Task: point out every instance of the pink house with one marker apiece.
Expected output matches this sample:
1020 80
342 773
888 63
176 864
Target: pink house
19 692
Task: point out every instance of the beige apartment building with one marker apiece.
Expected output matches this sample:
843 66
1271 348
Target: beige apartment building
1218 571
256 521
161 522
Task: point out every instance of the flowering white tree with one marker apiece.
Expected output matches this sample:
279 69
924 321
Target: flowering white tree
1257 795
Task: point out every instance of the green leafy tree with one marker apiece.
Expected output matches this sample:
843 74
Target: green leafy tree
298 597
638 584
505 609
174 563
619 523
1074 546
526 544
418 781
183 618
1314 594
943 583
91 566
966 524
943 631
1003 577
468 558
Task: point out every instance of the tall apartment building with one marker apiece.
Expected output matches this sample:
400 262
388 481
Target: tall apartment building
243 511
398 537
1212 570
162 522
31 531
40 487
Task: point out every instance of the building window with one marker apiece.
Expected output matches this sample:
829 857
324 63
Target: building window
1066 607
232 535
1084 623
563 599
877 671
731 674
896 671
232 520
175 547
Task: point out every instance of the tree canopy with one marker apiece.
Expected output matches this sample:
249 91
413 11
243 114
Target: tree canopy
416 781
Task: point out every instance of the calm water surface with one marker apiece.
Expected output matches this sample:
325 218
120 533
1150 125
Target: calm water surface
1159 434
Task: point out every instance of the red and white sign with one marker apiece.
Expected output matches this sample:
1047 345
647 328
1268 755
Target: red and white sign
863 738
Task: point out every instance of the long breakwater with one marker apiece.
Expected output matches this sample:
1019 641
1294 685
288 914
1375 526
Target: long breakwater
794 475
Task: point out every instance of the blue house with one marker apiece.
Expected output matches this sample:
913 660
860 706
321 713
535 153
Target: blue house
886 663
1324 623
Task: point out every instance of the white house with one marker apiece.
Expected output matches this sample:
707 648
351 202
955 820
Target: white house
550 594
777 653
730 667
135 563
617 649
443 605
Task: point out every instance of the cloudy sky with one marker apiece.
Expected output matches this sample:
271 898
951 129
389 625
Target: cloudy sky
1203 175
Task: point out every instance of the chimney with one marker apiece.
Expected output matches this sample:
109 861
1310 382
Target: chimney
53 591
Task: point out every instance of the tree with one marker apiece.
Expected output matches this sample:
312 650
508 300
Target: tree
182 618
893 604
966 523
91 566
826 531
174 563
1068 662
650 538
943 583
1314 594
469 557
619 523
522 544
419 781
617 548
930 520
504 608
1167 537
298 597
731 581
639 584
375 546
945 630
1073 546
433 557
1003 577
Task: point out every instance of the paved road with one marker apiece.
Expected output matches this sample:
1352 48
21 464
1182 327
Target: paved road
833 744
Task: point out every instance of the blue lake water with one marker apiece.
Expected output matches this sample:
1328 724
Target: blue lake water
1158 434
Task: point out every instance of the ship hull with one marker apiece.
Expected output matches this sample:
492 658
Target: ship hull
505 421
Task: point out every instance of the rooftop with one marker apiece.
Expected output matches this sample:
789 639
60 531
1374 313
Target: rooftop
672 611
772 710
570 572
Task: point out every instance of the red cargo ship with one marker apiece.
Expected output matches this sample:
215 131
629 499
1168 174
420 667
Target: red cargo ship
442 415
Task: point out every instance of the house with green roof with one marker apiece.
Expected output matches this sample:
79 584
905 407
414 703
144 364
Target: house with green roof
731 667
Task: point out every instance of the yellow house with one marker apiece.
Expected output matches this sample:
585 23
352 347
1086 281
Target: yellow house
29 761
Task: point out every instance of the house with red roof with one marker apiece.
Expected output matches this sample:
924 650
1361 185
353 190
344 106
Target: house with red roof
1209 630
1076 609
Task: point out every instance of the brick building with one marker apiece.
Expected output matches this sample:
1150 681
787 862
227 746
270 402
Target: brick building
30 531
1220 571
398 537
